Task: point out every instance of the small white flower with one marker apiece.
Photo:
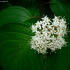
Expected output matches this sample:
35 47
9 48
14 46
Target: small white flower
34 28
48 34
46 19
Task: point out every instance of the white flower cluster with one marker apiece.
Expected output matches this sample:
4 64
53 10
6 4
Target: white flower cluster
48 34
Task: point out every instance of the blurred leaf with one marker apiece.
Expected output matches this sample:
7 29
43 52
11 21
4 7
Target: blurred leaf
15 28
60 9
63 1
15 36
34 11
15 50
14 14
59 60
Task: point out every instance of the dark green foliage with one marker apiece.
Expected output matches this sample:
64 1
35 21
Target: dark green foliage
60 9
15 36
16 18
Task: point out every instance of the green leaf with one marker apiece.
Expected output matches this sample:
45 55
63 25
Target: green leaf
14 27
60 9
59 60
14 14
17 55
15 49
15 37
63 1
34 11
